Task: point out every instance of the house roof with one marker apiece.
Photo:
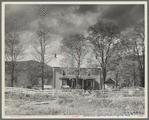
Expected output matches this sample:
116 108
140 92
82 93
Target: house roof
83 71
110 81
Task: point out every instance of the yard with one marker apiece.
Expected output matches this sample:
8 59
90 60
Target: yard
71 103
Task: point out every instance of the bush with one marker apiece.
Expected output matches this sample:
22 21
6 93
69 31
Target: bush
29 96
78 91
64 100
29 86
101 95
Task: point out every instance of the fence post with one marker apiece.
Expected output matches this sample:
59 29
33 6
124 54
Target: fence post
55 93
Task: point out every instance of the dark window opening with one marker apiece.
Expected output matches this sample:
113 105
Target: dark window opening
89 74
89 83
64 73
64 82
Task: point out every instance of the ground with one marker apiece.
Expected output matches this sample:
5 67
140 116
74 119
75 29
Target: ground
17 103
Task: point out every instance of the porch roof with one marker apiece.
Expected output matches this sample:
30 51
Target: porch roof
68 77
74 77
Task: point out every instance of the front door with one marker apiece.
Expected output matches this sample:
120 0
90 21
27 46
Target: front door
88 84
73 84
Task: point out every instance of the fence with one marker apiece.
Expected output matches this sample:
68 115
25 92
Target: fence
30 91
121 92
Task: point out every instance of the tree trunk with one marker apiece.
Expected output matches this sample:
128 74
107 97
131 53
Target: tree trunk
143 73
42 82
12 74
42 79
117 78
143 66
42 76
77 80
78 73
142 79
104 77
116 83
100 80
134 78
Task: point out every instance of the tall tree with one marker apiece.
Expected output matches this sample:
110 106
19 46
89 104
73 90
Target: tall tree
41 47
140 36
74 47
13 52
102 37
133 45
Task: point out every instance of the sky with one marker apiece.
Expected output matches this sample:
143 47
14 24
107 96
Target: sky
64 20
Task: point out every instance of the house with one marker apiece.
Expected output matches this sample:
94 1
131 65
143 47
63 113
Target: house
109 84
89 78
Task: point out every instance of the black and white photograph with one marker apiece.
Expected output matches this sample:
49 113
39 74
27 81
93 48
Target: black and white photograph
74 59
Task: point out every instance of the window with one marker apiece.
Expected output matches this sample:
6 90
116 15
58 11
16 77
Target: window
89 74
64 73
64 82
89 83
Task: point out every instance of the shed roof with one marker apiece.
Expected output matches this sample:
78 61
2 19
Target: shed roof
110 81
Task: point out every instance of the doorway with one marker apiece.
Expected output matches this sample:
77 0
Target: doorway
73 83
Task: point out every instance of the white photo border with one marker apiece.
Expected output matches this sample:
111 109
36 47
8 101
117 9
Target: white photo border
73 3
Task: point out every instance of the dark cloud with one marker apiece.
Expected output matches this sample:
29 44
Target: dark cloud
125 16
83 9
15 23
19 17
64 20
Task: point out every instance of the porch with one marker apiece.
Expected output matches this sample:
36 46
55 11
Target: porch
83 83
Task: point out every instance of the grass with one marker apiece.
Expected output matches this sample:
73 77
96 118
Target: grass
38 103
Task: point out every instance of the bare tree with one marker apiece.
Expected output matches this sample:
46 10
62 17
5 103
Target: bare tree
74 47
13 52
139 35
133 45
41 47
102 37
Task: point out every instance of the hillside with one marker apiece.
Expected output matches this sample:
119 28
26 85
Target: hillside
27 72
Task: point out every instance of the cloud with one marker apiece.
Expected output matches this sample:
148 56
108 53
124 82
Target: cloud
125 16
64 20
18 16
83 9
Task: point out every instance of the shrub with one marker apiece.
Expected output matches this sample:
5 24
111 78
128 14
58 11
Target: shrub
78 91
64 100
101 95
29 86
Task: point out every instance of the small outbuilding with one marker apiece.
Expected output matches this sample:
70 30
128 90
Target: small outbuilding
109 84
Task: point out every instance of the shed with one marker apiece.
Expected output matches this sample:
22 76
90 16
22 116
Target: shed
109 84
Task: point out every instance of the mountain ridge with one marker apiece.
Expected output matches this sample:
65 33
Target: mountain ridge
27 72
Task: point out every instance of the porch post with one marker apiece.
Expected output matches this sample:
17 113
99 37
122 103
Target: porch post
82 83
93 84
71 83
60 83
